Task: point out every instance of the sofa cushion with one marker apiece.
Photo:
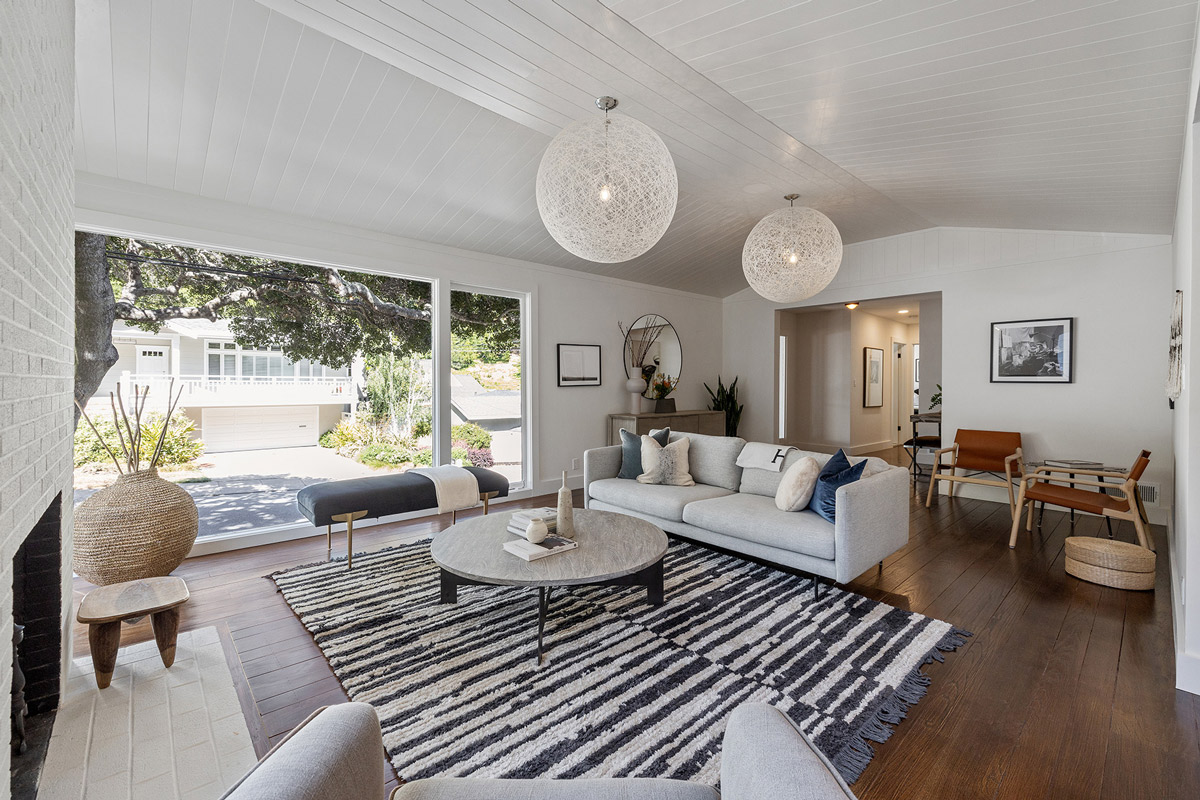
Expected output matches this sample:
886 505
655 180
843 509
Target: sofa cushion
755 518
836 473
631 451
796 488
666 502
665 465
713 459
766 482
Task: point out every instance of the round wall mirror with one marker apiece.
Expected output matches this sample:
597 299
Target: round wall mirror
652 348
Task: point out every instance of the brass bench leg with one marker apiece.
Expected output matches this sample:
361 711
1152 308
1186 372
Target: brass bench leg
485 497
347 518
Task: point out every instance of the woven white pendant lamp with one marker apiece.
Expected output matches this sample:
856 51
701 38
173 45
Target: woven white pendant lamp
792 253
606 189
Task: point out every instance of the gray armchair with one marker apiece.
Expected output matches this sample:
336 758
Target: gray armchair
337 755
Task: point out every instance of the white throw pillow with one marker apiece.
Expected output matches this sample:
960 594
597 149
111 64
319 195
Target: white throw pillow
874 466
665 465
796 487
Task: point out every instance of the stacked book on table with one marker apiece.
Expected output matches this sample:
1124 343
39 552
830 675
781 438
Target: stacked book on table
526 549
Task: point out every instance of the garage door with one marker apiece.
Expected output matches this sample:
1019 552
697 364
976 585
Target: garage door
258 427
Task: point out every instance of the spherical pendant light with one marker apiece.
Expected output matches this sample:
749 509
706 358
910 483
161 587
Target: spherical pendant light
792 253
606 188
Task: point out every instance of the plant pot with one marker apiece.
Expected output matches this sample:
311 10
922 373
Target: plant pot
664 405
139 527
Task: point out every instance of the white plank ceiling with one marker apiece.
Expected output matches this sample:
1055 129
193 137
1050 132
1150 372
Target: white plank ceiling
428 119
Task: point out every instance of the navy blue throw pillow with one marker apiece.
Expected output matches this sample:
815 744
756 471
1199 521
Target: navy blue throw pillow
631 451
836 472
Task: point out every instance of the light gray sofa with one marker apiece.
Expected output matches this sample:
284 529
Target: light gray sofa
337 754
734 509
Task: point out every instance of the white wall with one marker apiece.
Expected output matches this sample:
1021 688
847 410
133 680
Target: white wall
871 428
820 373
930 337
1184 528
567 306
37 288
1117 286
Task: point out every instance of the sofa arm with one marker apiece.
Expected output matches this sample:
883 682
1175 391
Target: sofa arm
765 756
600 463
335 754
871 522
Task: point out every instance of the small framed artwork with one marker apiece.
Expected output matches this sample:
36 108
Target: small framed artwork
579 365
872 377
1033 351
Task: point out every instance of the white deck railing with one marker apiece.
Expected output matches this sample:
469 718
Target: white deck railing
275 390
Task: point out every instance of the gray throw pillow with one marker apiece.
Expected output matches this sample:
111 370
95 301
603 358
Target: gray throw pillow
631 451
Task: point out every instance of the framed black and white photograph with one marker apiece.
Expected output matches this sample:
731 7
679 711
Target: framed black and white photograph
872 377
579 365
1033 351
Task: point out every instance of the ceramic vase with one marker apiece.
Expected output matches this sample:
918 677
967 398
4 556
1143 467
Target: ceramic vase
635 386
566 510
536 531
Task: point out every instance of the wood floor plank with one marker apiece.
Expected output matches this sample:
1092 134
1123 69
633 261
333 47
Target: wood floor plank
1066 690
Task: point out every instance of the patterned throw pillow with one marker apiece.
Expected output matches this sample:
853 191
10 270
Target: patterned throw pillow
796 488
836 472
631 451
665 465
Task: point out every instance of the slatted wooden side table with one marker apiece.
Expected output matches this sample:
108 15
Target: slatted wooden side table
103 610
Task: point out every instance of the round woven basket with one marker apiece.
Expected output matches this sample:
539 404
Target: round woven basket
139 527
1141 581
1109 554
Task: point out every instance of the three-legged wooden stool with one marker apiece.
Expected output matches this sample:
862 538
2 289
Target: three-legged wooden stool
103 609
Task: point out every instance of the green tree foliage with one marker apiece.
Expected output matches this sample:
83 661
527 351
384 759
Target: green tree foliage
399 390
320 313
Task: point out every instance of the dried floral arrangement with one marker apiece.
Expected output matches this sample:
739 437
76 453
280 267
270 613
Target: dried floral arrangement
641 346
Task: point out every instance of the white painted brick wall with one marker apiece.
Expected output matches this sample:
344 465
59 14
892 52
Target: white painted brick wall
37 277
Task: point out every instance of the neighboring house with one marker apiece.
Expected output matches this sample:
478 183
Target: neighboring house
494 410
240 399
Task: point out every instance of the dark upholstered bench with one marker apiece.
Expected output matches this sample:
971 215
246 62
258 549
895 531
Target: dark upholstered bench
381 496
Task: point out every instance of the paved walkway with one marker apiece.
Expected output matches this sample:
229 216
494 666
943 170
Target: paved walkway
257 488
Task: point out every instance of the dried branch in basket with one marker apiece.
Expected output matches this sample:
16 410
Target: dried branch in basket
129 433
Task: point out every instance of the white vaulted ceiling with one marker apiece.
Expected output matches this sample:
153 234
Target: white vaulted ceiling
427 119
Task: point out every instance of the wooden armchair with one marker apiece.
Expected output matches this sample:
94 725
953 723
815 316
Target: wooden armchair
1058 486
975 452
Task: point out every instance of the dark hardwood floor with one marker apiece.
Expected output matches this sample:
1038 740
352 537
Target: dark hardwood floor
1066 690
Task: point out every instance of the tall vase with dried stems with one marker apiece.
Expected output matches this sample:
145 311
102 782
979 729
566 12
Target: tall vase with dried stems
141 526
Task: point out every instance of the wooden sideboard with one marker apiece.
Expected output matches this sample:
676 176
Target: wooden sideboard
711 423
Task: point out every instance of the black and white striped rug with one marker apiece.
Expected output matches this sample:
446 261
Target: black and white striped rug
626 689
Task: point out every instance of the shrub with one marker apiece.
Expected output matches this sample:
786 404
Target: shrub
480 457
385 455
328 440
423 457
471 435
458 454
179 447
423 425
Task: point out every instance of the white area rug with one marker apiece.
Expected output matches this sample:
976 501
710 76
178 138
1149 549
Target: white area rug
154 733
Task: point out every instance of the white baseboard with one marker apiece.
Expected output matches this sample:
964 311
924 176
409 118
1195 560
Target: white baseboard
1187 672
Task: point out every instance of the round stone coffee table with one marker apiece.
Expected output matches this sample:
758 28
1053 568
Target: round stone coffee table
614 550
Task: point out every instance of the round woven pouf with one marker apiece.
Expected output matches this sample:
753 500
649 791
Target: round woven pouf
139 527
1109 563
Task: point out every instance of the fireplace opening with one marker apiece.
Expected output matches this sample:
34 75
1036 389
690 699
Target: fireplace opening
37 647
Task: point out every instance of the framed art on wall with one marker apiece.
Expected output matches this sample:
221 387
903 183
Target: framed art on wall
1033 351
579 365
872 377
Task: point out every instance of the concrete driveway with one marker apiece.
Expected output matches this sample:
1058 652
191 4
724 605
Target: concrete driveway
257 488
